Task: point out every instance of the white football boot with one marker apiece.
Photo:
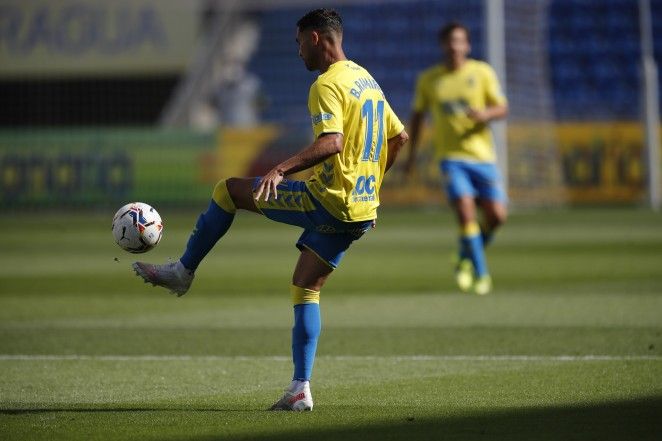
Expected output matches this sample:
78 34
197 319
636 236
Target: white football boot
483 285
297 397
172 276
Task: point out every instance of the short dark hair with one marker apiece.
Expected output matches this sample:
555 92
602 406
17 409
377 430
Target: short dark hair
446 31
321 19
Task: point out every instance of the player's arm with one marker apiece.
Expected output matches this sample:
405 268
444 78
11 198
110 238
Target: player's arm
488 114
419 107
394 145
328 144
415 124
395 133
497 106
326 112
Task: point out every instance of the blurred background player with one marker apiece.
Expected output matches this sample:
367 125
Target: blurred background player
463 95
357 137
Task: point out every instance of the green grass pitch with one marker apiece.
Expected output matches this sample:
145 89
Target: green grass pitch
568 347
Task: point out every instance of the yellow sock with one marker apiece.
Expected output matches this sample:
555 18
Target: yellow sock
302 296
222 197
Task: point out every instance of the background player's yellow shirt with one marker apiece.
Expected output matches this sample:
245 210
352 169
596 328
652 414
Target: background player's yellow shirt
346 99
447 94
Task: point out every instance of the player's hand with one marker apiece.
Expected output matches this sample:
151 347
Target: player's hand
479 116
268 184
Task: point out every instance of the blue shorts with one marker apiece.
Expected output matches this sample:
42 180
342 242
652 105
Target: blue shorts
480 180
323 234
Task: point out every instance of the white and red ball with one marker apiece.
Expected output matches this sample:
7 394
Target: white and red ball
137 227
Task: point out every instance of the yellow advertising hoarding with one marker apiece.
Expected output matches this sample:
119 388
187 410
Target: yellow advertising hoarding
588 163
602 162
549 164
42 38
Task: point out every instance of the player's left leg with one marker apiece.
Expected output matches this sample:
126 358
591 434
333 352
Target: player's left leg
471 265
492 199
495 213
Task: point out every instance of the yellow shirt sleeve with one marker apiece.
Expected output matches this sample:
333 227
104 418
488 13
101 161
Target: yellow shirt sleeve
421 102
393 125
493 93
326 111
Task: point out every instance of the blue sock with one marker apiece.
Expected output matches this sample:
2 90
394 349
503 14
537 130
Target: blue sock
211 226
472 242
486 235
305 333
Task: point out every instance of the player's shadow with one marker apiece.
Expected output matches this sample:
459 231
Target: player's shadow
37 410
639 420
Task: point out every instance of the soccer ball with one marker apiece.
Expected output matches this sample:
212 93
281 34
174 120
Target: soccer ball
137 227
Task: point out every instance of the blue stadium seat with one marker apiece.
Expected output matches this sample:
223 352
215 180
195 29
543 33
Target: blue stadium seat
377 36
597 44
592 46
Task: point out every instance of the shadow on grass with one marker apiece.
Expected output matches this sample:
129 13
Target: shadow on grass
619 420
82 410
622 420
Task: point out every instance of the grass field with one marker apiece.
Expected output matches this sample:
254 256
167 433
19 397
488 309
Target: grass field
568 347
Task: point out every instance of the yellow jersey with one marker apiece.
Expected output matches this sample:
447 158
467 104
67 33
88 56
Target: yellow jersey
447 94
346 99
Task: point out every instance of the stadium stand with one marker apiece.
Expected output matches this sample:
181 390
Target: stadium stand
593 56
394 47
593 51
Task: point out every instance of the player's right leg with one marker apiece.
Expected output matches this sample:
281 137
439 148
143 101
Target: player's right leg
322 244
309 276
492 198
228 196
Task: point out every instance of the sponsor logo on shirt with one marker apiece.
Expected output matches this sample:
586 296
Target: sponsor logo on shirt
318 118
364 190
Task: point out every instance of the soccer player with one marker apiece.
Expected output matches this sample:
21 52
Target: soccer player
357 138
463 95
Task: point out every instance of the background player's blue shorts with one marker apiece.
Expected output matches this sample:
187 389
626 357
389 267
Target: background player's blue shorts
475 179
323 234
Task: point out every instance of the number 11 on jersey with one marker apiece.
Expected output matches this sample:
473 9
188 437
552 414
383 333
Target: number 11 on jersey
368 113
